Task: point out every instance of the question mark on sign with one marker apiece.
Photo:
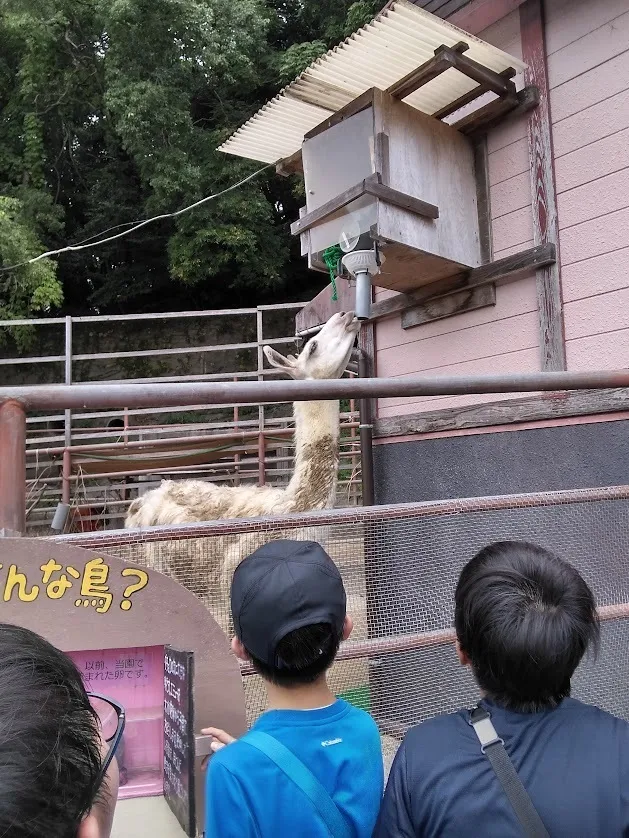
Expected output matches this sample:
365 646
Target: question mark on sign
143 579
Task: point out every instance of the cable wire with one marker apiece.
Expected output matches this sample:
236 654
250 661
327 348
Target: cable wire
83 246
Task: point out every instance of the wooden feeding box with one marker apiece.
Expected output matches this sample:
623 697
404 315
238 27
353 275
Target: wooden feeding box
383 167
401 175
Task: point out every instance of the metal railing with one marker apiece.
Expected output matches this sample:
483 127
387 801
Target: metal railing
16 401
75 456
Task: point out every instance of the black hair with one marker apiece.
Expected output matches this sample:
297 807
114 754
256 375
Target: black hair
50 748
302 656
525 618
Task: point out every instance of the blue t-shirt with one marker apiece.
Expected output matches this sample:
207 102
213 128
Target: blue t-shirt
573 761
247 795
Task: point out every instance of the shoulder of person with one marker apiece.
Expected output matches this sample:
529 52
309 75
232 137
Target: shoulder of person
360 717
439 733
594 715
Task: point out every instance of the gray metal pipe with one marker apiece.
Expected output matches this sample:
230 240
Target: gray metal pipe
362 307
56 396
365 431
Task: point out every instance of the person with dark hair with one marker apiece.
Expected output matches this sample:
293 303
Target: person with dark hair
311 766
528 760
58 775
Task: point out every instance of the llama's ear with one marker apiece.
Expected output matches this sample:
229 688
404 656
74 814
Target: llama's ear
277 360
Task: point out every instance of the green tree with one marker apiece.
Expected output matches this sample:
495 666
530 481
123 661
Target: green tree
31 288
112 110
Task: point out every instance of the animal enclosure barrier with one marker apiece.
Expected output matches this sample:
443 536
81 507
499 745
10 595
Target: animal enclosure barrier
400 565
98 461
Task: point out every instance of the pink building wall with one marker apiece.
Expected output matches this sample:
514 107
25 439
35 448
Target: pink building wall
588 66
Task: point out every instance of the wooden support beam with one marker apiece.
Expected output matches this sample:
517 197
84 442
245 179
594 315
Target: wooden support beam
482 119
506 412
322 307
438 308
459 47
333 205
421 76
290 165
544 196
447 58
365 100
369 186
401 199
502 270
489 79
483 198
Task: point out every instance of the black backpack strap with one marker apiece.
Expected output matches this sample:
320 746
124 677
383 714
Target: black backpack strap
493 748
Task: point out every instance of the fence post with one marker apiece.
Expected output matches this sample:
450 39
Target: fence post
261 437
67 455
12 468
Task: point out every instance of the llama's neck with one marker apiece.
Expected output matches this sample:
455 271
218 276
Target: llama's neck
313 484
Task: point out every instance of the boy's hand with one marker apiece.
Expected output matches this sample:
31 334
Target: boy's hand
219 739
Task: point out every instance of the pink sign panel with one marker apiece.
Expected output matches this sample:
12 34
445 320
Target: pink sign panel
135 678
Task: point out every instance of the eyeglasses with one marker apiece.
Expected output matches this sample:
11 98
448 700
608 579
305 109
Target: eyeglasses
111 717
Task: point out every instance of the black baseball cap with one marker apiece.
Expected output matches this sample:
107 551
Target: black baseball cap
283 586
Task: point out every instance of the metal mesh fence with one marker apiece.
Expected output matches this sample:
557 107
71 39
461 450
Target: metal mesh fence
400 565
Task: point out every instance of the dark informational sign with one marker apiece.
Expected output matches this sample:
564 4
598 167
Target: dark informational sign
179 737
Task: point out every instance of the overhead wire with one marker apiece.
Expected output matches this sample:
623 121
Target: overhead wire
86 244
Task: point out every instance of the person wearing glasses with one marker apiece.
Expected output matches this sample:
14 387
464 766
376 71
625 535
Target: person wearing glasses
58 775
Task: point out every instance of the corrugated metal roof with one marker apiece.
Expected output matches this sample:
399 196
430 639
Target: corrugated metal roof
396 42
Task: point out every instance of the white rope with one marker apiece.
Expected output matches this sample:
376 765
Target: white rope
80 246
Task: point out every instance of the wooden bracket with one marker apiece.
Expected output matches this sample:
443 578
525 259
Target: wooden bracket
290 165
502 270
447 58
485 118
370 186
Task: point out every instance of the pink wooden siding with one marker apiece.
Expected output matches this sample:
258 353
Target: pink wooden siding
503 338
588 67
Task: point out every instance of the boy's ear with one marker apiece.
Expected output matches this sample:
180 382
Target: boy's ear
461 655
348 627
239 650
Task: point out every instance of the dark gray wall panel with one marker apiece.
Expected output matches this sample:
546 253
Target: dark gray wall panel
566 457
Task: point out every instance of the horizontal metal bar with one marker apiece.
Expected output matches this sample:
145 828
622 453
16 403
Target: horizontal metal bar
173 407
358 649
76 396
184 350
168 315
171 379
43 321
281 306
235 436
366 514
36 359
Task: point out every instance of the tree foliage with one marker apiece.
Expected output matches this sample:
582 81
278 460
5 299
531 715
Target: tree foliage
111 111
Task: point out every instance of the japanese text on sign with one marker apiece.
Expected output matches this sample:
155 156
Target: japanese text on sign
90 586
126 670
179 737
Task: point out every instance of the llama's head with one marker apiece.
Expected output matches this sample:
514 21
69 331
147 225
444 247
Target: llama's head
325 355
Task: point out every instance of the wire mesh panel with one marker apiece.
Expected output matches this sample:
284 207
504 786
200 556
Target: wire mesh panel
400 565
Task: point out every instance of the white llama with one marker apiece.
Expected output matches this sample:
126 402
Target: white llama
207 568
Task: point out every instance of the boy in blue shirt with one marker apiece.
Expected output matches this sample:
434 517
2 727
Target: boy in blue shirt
288 605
